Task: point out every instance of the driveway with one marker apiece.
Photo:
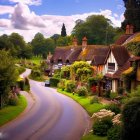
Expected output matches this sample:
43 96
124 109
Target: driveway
51 116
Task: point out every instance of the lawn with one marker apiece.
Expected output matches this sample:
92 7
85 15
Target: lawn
10 112
85 102
93 137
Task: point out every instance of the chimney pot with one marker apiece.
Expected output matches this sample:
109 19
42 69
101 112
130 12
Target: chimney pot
84 42
75 42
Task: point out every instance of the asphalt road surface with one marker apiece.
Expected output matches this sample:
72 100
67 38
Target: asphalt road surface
49 116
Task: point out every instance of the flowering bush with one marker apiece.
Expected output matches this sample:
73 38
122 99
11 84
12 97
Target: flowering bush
102 114
116 119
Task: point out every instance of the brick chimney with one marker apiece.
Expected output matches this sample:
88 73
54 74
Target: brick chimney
129 29
75 42
84 42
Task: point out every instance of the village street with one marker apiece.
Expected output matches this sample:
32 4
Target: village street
49 116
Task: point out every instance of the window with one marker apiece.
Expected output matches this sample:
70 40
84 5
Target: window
111 67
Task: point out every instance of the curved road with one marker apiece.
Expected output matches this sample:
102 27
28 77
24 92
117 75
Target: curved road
52 116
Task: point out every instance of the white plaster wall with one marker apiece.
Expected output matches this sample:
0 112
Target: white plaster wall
111 59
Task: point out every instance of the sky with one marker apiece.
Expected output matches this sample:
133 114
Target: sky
28 17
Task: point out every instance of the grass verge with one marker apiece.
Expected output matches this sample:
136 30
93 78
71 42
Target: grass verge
85 102
93 137
10 112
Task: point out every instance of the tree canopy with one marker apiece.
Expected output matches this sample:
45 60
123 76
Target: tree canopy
132 14
42 46
8 74
96 28
63 31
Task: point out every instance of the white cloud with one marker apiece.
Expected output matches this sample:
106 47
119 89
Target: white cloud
23 18
6 9
28 2
27 23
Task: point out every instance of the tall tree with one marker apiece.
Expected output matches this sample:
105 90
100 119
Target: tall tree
132 14
8 75
96 28
63 31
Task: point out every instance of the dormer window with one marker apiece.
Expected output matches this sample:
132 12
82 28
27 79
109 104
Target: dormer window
111 67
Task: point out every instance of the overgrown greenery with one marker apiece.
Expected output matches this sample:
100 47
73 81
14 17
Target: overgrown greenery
8 75
134 48
81 71
131 119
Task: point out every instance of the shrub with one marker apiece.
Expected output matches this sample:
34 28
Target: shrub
102 114
82 91
13 101
100 128
120 90
131 119
117 120
107 93
27 85
21 84
70 86
113 95
62 84
35 73
94 99
114 133
114 108
54 82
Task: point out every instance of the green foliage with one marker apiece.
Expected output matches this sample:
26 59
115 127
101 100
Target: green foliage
94 99
96 28
54 82
16 45
101 128
64 41
132 14
95 79
70 86
114 133
136 93
114 108
42 46
82 70
21 84
20 69
62 84
82 91
13 101
27 85
10 112
57 74
90 136
131 119
63 31
35 73
8 74
134 48
120 90
113 95
65 72
107 93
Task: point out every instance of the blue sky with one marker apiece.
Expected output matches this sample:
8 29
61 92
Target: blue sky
47 16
